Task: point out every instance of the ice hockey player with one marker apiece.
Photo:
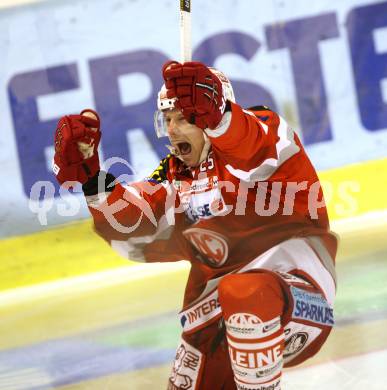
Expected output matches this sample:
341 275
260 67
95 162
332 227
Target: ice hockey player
237 197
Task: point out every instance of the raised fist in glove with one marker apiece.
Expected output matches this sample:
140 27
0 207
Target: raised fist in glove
76 147
198 91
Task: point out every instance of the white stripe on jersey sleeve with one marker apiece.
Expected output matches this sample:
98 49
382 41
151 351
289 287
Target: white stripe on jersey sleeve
222 127
286 147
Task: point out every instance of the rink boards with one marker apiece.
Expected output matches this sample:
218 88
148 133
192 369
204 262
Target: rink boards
74 249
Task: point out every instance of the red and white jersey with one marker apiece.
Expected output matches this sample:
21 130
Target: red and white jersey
256 188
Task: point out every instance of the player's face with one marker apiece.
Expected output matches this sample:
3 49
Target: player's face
187 139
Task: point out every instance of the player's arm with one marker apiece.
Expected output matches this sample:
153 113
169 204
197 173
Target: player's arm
124 211
119 212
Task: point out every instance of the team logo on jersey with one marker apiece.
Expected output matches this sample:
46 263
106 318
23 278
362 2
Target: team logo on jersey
213 246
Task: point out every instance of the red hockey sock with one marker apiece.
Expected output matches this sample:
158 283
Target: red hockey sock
252 305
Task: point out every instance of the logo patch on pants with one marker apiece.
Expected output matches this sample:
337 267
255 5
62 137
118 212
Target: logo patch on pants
311 307
186 368
297 338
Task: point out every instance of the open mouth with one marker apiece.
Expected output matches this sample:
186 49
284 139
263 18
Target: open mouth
184 148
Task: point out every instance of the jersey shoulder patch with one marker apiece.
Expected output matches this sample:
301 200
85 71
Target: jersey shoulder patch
159 175
259 108
263 113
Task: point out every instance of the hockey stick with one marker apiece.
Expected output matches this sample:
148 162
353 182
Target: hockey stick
185 31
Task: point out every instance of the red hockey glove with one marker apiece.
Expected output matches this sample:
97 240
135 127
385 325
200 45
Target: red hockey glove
198 91
76 147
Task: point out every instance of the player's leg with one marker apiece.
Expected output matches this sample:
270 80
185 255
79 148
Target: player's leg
202 362
252 305
273 320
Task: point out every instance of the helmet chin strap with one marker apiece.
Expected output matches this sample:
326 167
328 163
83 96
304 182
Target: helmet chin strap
203 154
